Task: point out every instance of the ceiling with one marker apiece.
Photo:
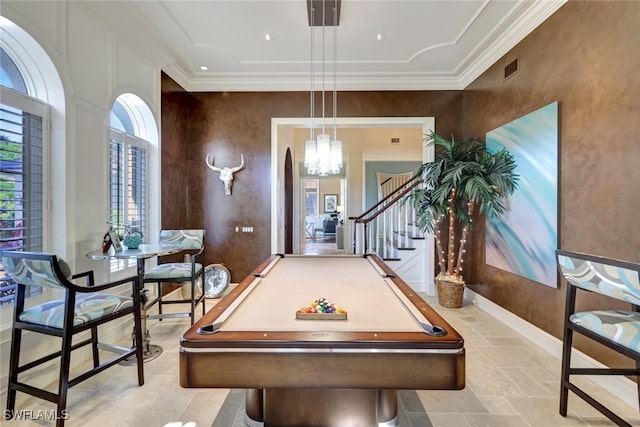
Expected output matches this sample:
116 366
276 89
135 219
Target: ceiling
425 44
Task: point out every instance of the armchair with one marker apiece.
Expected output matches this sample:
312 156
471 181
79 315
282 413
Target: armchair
329 226
82 308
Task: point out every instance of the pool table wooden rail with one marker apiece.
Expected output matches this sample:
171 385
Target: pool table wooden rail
319 359
320 339
422 371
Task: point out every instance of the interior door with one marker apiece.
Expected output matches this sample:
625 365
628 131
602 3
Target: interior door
288 203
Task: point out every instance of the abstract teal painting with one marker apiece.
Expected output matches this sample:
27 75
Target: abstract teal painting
523 241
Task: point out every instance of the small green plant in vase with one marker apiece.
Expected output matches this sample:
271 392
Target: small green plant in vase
462 181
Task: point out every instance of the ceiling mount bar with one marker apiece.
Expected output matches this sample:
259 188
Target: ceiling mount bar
316 6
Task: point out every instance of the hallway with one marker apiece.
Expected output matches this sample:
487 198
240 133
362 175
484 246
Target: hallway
319 246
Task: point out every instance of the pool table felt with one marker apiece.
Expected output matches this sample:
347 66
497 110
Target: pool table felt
349 282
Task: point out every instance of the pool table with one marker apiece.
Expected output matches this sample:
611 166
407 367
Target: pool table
322 372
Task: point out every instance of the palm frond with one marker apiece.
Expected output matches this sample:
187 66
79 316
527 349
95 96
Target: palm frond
467 170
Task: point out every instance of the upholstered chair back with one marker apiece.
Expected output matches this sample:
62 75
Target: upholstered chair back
33 269
187 239
614 280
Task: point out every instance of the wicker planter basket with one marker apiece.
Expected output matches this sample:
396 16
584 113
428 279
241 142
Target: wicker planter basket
450 293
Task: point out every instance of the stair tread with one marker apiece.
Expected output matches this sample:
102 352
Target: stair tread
387 252
411 235
401 246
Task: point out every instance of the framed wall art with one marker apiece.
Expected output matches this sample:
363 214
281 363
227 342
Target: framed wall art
523 241
330 202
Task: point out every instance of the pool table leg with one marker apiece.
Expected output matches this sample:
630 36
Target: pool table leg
387 407
254 398
321 407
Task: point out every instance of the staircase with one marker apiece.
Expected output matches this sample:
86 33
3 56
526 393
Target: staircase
387 229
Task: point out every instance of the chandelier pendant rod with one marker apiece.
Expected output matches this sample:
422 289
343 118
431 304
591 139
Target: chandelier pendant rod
323 63
335 69
312 92
323 154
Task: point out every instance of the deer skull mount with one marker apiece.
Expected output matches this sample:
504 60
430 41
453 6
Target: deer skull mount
226 174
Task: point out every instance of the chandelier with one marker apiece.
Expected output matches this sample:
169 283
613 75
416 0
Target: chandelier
322 154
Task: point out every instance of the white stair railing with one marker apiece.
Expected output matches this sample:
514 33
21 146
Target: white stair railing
385 223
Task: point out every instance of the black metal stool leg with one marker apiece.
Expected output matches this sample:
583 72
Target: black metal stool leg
14 363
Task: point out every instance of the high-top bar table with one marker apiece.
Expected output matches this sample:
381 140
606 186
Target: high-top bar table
144 252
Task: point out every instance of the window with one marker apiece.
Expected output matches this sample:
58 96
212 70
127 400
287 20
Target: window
127 178
10 76
311 197
22 164
128 181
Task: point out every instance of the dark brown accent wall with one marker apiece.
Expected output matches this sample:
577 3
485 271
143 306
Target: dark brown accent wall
228 124
585 56
174 150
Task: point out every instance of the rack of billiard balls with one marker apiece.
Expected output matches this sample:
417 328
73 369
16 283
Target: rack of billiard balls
321 309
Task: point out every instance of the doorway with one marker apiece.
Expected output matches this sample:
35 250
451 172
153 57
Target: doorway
321 212
284 134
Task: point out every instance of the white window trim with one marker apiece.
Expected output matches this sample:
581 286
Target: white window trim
33 106
118 265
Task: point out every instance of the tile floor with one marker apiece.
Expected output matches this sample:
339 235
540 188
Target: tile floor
510 382
317 247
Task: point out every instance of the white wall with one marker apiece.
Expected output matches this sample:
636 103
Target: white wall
95 65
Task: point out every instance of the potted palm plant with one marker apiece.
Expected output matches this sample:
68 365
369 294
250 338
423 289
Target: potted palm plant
464 180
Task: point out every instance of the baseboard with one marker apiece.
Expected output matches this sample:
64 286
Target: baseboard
625 389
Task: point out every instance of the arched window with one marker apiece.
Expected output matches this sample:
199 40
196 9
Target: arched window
23 136
10 76
128 170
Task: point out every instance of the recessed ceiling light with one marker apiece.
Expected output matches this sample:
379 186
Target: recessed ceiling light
380 36
267 36
204 68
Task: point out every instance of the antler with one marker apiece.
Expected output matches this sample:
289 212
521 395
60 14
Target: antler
237 168
210 164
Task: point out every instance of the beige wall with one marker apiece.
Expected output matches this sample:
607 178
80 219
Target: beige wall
373 142
328 186
361 144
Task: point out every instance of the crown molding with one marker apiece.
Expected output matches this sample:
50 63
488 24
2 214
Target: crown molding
281 82
530 20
